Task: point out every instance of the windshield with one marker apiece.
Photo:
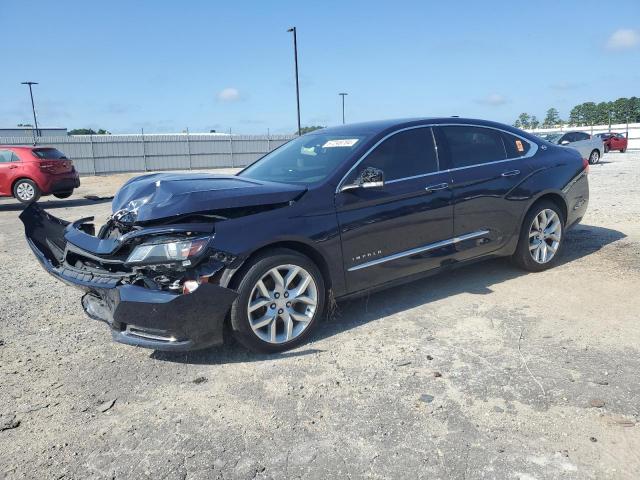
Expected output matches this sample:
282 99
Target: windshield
551 137
304 160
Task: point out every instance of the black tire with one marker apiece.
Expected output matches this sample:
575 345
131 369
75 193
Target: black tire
25 185
522 256
594 157
606 149
63 195
247 280
623 150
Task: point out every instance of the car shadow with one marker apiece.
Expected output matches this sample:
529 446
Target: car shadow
53 204
477 278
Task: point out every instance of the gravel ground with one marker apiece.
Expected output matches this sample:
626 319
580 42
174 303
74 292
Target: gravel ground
486 372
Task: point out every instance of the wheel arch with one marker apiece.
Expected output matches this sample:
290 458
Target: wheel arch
23 177
556 198
300 247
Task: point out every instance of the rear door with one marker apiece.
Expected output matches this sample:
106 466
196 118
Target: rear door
486 165
9 168
403 227
582 142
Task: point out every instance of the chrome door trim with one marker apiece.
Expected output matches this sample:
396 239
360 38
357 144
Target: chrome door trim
532 151
415 251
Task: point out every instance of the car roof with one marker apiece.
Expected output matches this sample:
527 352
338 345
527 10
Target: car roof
383 126
26 147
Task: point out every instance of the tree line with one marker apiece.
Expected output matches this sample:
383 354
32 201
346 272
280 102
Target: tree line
622 110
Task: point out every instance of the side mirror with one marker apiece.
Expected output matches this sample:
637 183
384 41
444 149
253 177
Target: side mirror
370 177
564 142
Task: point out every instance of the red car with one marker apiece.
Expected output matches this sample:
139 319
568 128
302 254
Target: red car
26 173
613 141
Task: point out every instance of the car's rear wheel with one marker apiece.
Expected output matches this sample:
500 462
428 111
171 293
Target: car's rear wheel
541 237
280 298
63 194
594 157
606 149
26 191
623 150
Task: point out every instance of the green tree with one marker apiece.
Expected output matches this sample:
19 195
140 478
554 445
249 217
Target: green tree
634 110
87 131
602 113
552 119
535 123
525 120
304 130
589 113
619 110
517 123
576 116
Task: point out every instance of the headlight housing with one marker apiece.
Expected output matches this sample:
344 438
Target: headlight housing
176 250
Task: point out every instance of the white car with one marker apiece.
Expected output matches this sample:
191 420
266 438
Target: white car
590 147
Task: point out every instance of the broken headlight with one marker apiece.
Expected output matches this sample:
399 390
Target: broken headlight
163 251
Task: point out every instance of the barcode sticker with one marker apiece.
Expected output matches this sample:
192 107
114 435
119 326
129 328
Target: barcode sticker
347 142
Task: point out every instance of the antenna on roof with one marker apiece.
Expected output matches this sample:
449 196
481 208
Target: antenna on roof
455 116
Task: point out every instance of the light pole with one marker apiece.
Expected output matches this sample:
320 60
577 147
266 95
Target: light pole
33 107
295 55
343 95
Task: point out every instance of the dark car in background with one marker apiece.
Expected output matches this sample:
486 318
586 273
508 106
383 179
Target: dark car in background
27 173
335 213
613 141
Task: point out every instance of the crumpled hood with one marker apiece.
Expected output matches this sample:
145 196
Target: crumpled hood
162 195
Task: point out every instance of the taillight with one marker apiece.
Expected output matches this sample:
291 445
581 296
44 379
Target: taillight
585 165
46 166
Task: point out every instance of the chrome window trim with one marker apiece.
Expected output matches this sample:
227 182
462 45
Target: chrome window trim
415 251
532 151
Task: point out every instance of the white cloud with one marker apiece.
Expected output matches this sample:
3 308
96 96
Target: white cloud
623 38
229 95
493 99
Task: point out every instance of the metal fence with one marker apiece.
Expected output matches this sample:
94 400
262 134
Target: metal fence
104 154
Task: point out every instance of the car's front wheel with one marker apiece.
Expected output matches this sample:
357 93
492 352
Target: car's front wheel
281 296
594 157
26 191
541 237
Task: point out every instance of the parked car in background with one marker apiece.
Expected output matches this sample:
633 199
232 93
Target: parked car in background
613 141
27 173
589 147
335 213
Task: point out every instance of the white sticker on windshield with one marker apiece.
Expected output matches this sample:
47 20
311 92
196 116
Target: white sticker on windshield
346 142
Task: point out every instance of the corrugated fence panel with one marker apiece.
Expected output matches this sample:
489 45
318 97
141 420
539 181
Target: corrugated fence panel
104 154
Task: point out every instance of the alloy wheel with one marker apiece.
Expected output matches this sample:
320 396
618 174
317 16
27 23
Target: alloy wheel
25 192
282 304
545 234
594 158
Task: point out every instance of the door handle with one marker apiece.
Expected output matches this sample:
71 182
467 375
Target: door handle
13 166
439 186
511 173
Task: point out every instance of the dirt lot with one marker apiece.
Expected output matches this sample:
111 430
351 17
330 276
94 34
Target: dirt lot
483 373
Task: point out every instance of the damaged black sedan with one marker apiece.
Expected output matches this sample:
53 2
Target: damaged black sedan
335 213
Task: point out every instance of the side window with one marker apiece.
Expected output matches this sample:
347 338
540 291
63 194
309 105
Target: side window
405 154
473 145
7 156
581 136
515 147
569 137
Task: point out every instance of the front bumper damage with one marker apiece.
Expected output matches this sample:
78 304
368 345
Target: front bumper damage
136 314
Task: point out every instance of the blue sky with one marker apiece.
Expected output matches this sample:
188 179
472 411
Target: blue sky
168 65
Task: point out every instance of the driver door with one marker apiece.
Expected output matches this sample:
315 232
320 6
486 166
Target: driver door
401 227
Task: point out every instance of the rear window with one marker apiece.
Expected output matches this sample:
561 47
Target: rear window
49 154
515 147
